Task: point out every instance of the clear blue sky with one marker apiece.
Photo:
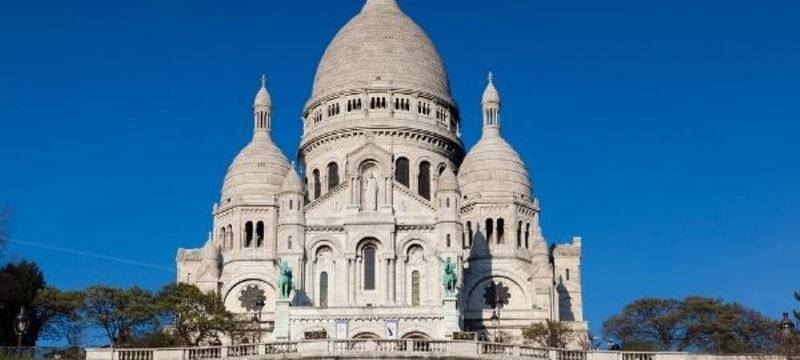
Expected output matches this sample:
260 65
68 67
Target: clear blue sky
663 132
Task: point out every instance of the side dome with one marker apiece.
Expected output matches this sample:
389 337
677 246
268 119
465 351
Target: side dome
292 182
493 168
381 43
447 181
257 172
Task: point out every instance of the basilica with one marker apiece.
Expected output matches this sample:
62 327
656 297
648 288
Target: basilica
388 227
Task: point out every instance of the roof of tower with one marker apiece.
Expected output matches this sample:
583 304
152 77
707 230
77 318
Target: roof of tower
262 97
382 44
292 182
257 171
492 167
490 94
447 181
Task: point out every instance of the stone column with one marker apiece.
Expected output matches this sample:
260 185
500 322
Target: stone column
281 332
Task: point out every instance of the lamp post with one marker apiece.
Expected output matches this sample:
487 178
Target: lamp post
786 326
21 323
496 320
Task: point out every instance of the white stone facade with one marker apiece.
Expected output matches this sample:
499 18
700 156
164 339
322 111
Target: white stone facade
380 208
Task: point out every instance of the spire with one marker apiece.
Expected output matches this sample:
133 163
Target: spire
491 107
262 108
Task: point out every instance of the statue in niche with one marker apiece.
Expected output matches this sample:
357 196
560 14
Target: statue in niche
371 193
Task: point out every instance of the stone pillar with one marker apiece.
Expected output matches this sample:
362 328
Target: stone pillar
281 332
450 323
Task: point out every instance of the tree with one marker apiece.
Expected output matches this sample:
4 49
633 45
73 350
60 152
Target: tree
649 324
19 284
195 316
120 313
554 334
693 324
58 312
797 312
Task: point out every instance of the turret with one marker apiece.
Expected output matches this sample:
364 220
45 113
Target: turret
262 109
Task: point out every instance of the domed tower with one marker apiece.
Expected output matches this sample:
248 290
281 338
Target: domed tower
508 273
246 219
380 82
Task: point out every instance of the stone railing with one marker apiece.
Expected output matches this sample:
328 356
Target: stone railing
392 349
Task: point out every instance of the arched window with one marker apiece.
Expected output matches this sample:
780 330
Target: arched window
401 171
291 204
527 234
567 271
248 234
323 289
333 175
447 202
229 235
222 239
489 230
501 224
448 240
519 234
289 243
260 234
305 193
424 180
469 234
317 184
415 288
369 267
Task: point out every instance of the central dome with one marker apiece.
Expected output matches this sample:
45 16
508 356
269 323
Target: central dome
381 44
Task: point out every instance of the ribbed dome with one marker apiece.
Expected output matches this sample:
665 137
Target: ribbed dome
490 94
257 172
492 168
447 181
262 98
381 43
292 182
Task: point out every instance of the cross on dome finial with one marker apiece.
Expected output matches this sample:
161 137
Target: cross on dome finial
263 80
491 77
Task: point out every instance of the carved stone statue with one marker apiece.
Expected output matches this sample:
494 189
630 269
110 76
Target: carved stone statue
285 281
449 277
371 193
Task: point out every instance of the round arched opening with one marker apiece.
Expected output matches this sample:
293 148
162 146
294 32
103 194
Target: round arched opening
366 335
416 335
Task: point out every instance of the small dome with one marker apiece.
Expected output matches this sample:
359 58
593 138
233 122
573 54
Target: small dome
381 43
262 97
493 169
447 181
257 172
490 94
292 182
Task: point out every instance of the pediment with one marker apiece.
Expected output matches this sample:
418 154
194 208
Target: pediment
370 151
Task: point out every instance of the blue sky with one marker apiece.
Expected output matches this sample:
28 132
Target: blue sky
663 132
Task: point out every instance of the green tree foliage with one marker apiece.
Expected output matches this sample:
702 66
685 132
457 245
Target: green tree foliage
693 324
120 313
19 284
550 333
193 315
59 313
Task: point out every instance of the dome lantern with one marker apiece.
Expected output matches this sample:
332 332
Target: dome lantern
262 108
491 107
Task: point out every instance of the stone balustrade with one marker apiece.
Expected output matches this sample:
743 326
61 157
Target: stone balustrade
380 348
